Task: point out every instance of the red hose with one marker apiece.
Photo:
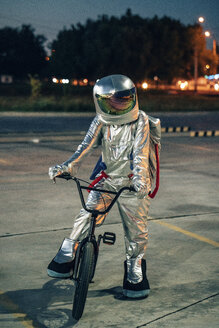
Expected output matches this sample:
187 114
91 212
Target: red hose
153 194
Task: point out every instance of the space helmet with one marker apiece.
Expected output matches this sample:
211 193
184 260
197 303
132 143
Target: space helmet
116 100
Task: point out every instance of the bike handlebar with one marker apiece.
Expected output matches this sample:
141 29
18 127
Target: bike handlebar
80 187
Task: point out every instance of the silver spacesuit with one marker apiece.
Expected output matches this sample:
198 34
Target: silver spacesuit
123 133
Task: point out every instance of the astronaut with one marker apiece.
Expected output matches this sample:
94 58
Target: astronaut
122 131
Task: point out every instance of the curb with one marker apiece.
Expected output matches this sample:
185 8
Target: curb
171 129
201 133
214 133
41 139
47 114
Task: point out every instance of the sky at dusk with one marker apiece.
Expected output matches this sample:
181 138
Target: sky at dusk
48 17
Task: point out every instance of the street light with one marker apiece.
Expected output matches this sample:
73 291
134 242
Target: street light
144 85
207 34
201 19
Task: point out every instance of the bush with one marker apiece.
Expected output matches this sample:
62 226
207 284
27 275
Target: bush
80 99
45 104
178 102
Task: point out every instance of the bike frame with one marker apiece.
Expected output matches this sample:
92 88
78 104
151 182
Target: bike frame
94 215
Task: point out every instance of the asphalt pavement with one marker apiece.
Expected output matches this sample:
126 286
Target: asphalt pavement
182 255
16 122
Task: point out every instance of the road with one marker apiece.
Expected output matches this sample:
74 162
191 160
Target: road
182 255
68 123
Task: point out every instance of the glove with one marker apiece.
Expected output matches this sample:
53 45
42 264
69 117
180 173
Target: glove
142 191
57 170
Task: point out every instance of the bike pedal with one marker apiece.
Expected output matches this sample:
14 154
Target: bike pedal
109 238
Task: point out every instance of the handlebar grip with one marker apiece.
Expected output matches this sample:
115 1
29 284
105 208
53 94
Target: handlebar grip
65 176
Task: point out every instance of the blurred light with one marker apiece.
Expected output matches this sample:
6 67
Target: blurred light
183 84
212 77
207 34
144 85
216 87
75 82
156 78
47 58
85 81
55 80
201 19
64 81
207 66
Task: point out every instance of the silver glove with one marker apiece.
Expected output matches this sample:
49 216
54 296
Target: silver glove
57 170
142 191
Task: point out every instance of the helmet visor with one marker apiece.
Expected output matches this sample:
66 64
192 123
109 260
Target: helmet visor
119 103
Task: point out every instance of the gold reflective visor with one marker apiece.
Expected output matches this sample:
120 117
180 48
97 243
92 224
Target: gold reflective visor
117 103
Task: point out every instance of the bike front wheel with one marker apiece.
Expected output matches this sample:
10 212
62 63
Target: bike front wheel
85 272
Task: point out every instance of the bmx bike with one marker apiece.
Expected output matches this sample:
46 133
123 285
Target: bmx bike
88 249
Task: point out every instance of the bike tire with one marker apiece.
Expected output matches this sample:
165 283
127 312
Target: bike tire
84 276
96 253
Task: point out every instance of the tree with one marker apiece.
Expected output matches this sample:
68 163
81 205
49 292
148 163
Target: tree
21 51
101 47
131 45
167 57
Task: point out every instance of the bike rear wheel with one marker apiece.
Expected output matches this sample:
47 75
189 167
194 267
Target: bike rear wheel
85 272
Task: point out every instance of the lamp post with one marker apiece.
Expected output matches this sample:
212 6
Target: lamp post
201 20
209 34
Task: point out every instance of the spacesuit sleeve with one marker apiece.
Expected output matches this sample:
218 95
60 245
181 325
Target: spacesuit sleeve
91 141
141 175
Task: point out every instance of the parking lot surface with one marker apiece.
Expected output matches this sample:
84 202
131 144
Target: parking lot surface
182 255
